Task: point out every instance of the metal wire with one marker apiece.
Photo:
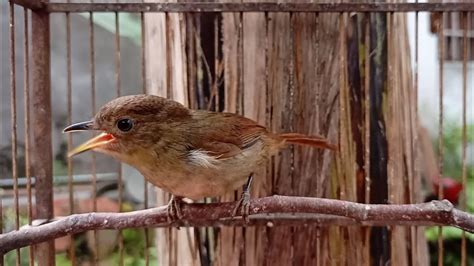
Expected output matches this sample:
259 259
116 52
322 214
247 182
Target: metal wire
240 59
367 109
93 107
14 123
367 119
72 252
414 237
465 17
257 7
118 91
342 80
168 56
26 95
215 83
144 90
441 132
390 87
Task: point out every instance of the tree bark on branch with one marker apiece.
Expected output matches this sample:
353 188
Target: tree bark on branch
269 211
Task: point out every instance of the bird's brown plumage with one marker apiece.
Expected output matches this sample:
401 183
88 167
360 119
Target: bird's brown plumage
189 153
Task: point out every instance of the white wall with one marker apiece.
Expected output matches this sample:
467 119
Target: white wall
428 78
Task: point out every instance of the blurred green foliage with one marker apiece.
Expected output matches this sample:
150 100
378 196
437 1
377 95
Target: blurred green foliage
452 161
134 253
452 167
10 257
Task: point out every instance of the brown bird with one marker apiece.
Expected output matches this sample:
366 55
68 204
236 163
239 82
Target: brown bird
188 153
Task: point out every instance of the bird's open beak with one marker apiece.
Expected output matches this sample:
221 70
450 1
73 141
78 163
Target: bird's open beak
87 125
98 141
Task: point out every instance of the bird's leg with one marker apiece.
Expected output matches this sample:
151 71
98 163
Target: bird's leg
174 208
244 203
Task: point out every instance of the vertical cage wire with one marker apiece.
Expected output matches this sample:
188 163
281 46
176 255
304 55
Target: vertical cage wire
118 94
415 95
267 63
465 23
171 232
95 248
240 59
342 79
240 73
292 98
2 220
319 188
367 107
26 95
144 89
14 152
413 171
441 132
390 86
168 56
215 83
413 199
70 165
269 113
342 64
190 56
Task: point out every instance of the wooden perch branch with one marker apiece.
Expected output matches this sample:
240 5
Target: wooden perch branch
268 211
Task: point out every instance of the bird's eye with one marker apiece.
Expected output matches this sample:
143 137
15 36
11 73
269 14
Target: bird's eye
124 124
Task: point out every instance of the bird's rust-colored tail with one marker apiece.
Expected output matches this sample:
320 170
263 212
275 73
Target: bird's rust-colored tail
314 141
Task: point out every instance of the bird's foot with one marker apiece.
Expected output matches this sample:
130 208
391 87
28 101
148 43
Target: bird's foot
243 206
244 203
174 209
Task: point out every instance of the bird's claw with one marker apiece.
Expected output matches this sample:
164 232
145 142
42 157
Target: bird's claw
174 209
243 205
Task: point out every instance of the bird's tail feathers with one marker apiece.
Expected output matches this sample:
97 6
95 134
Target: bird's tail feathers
314 141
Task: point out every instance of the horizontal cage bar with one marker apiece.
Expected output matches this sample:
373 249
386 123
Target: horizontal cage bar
246 7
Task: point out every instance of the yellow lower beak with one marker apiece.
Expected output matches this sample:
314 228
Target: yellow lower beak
93 143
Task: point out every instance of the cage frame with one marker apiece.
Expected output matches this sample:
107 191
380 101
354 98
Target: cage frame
40 63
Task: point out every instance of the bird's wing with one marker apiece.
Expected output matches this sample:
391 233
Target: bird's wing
225 135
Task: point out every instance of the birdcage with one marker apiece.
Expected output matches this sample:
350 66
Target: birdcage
389 82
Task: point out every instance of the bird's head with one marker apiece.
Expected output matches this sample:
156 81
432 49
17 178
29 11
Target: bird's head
129 124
